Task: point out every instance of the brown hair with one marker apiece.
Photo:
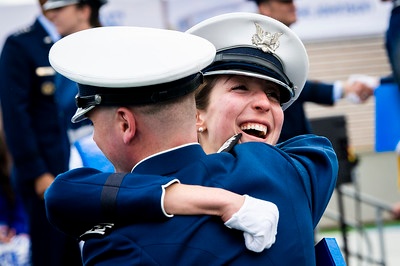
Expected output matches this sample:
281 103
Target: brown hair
94 19
203 92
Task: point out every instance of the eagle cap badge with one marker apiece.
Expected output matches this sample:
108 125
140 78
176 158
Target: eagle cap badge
266 41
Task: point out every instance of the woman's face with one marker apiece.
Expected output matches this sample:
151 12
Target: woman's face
240 104
70 19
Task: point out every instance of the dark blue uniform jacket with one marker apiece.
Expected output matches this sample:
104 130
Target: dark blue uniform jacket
296 122
298 176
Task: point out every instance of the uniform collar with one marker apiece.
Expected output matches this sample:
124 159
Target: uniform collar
49 27
170 161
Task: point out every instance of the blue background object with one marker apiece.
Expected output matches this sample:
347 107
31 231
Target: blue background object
328 253
387 117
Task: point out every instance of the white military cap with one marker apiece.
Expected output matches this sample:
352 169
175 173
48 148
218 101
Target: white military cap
53 4
123 65
256 45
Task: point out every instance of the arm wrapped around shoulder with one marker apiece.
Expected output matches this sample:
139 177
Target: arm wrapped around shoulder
258 219
81 198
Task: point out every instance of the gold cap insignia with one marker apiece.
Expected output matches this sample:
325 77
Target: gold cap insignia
266 41
48 88
45 71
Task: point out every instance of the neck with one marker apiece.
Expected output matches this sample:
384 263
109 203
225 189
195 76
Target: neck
150 143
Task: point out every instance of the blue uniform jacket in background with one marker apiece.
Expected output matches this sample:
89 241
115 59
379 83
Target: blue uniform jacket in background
296 122
299 176
35 137
392 41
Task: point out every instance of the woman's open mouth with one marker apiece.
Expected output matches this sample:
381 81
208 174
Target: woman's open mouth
254 129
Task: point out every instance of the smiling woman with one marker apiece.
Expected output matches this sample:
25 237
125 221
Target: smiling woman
255 76
231 104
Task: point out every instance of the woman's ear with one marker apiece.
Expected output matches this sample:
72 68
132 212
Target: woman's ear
127 124
200 122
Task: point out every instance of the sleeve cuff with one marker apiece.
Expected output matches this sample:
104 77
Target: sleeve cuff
337 90
163 195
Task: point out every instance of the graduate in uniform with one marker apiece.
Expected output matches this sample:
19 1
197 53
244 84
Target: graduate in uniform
296 121
298 176
70 16
37 142
392 40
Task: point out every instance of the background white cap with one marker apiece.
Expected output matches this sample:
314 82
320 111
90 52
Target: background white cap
53 4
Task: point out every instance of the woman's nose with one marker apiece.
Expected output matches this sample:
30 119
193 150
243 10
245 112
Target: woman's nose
261 102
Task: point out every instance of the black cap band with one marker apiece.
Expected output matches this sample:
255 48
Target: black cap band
256 61
93 95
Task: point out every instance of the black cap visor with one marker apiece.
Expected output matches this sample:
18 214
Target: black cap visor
252 62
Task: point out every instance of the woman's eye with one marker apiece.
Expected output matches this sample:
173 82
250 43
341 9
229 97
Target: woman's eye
240 87
273 96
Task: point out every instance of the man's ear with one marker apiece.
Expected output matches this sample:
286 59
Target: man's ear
86 12
127 123
264 8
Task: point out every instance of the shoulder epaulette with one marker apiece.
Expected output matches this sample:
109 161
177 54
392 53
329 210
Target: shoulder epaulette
23 30
230 143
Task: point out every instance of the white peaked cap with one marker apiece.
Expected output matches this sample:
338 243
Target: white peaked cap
124 65
256 45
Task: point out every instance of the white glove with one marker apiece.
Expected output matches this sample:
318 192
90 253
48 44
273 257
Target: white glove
258 219
372 82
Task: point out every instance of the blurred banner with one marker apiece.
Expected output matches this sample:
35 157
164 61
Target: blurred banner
183 14
317 19
322 19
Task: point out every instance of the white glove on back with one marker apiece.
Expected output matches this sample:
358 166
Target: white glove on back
258 219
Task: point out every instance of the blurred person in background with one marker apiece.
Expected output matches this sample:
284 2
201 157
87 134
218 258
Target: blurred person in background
14 238
37 142
296 122
393 39
393 51
396 211
70 16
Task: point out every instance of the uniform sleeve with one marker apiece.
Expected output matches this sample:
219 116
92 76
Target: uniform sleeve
317 163
317 92
114 249
136 199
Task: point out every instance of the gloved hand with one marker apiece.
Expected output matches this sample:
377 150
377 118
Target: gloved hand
258 219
